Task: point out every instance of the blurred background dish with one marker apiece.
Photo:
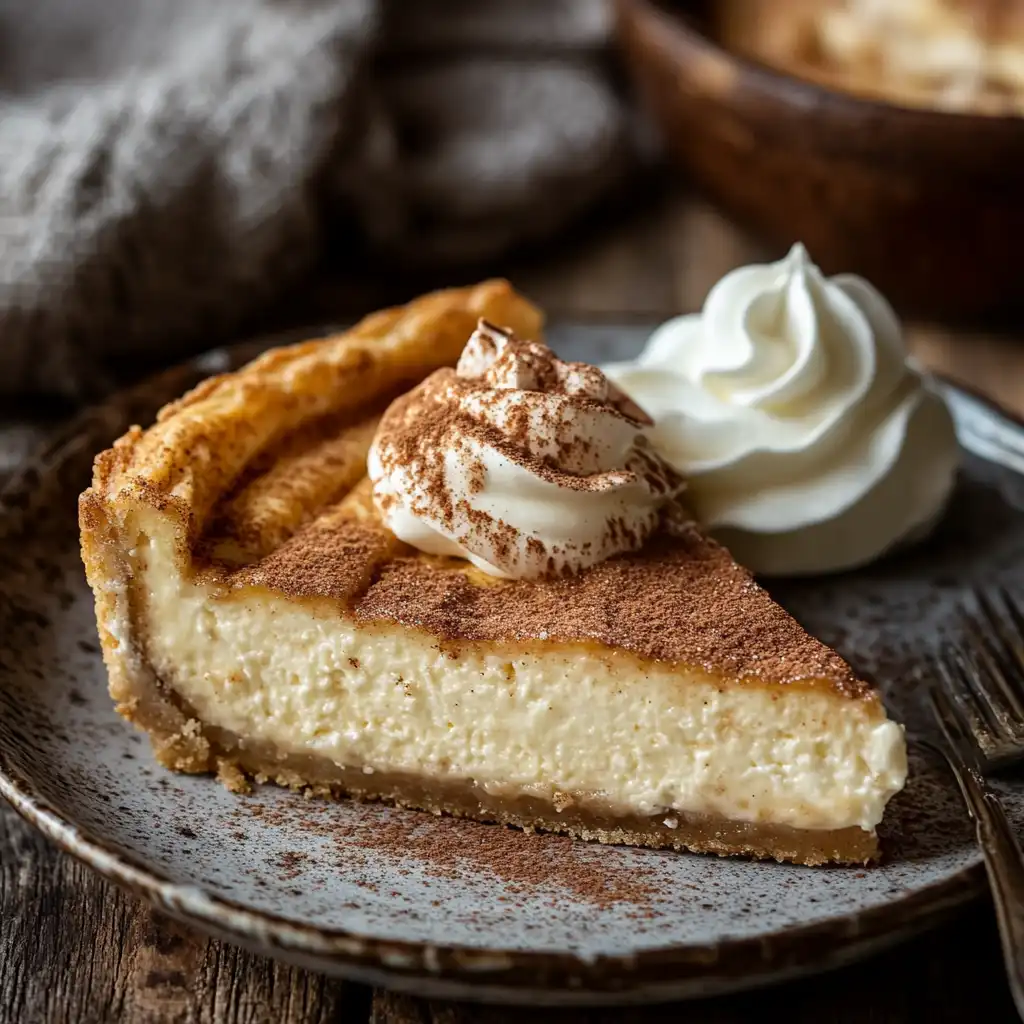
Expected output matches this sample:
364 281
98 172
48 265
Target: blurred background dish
923 201
965 55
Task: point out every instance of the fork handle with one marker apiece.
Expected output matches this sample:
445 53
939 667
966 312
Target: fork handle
1004 863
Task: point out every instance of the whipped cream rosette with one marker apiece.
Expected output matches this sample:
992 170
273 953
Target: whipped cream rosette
808 441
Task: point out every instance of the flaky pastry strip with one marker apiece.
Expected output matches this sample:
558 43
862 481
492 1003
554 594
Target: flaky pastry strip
202 442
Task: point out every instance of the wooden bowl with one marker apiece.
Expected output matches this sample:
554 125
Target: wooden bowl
928 205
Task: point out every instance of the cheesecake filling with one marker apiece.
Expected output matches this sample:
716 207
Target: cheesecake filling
577 725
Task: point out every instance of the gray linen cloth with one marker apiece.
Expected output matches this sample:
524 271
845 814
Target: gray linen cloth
168 167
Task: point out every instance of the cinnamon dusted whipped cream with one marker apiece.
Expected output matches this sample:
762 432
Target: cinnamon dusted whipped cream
525 465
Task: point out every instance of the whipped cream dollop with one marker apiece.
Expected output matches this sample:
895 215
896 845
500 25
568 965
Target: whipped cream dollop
525 465
808 442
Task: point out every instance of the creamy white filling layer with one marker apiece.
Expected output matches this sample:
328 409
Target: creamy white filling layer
642 739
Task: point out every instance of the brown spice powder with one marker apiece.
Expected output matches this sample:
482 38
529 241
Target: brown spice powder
524 862
452 848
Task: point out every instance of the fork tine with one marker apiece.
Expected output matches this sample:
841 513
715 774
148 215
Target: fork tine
1002 661
1011 713
948 714
995 690
1002 624
1015 619
954 675
964 662
1013 608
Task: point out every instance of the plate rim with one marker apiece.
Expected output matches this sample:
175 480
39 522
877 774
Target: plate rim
475 973
493 975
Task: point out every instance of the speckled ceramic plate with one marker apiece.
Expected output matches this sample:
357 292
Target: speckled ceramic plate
459 909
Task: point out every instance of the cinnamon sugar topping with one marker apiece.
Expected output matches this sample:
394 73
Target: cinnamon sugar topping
524 464
681 599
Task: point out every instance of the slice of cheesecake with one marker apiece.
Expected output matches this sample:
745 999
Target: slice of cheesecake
259 619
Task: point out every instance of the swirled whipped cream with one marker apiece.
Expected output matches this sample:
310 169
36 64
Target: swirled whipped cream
808 442
525 465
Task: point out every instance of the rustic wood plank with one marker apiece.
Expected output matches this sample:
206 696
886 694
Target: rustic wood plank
74 948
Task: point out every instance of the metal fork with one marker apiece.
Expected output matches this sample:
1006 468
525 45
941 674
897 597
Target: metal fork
976 693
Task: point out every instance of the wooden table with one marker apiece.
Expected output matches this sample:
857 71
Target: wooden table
74 948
